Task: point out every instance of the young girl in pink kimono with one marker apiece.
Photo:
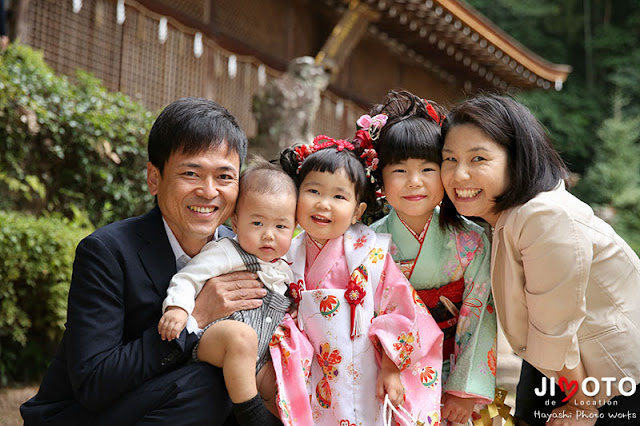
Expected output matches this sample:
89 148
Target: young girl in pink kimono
447 263
361 332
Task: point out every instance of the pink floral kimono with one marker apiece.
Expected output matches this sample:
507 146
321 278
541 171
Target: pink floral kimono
353 303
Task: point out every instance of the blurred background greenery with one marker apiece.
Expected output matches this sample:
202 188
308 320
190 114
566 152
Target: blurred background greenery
73 158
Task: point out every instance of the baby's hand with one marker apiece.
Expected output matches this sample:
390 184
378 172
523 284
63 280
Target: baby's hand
172 322
389 382
293 311
456 409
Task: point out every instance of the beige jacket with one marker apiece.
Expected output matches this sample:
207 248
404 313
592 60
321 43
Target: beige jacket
567 288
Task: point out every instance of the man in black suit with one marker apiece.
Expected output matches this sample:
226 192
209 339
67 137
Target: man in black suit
112 366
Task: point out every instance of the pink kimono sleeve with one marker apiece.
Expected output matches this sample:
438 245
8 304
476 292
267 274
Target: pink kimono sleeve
291 354
406 331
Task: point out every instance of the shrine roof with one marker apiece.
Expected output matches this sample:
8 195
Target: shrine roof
457 43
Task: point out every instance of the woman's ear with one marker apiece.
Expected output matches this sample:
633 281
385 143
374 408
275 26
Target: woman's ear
357 213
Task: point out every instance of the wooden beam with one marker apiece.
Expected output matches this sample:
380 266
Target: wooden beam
487 30
345 36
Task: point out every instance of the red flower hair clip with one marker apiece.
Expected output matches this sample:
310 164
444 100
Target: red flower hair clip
433 113
364 139
370 157
369 131
320 142
340 144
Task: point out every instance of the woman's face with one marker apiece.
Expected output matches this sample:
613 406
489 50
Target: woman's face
474 171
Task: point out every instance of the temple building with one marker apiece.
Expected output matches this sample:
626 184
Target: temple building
228 50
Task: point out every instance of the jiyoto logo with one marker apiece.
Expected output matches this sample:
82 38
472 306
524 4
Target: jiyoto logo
590 387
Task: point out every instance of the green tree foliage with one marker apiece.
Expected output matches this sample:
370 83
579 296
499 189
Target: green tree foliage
67 148
618 159
543 26
613 181
37 256
568 118
69 145
600 39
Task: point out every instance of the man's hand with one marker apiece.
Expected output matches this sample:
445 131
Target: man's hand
456 409
223 295
172 322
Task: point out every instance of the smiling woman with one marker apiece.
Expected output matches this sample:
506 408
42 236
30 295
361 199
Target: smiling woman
474 171
565 284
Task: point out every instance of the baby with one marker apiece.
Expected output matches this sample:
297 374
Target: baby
264 221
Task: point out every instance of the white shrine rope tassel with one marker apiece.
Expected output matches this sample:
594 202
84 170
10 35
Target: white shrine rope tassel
358 324
401 414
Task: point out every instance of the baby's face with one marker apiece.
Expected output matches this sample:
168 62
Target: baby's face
264 224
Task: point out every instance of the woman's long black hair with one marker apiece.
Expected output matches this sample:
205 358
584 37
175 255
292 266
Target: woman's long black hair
534 166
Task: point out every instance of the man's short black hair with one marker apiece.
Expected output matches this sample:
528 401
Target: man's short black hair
191 126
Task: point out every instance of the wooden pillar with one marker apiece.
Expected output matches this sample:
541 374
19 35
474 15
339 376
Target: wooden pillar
345 36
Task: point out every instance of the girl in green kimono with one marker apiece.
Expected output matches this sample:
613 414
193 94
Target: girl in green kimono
447 262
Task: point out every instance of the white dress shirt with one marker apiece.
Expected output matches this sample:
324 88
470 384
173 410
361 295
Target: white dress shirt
182 259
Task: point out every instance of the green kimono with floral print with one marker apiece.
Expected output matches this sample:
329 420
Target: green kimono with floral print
453 265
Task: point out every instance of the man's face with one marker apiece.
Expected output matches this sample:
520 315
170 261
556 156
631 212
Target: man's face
196 193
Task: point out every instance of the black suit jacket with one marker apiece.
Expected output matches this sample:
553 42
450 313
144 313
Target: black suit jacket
111 343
